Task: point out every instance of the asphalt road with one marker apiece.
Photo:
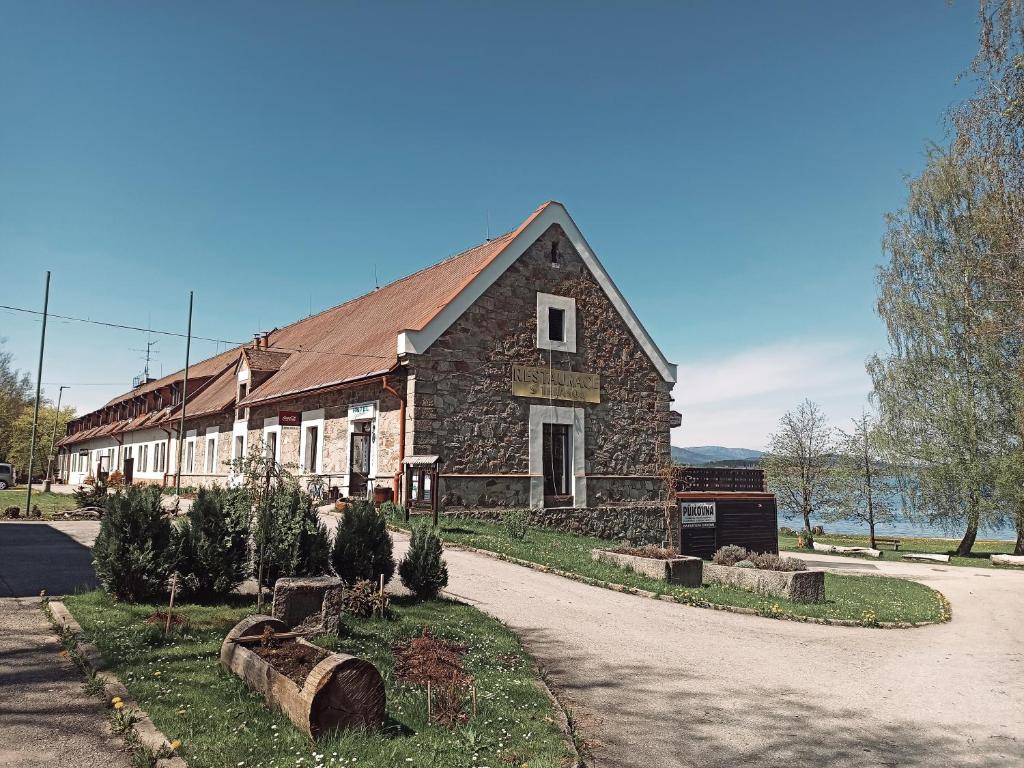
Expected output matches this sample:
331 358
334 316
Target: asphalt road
660 684
47 720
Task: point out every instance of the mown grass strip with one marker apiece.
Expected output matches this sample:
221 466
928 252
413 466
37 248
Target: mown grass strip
865 600
219 721
979 557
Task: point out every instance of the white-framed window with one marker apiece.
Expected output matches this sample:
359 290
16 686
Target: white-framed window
556 322
311 441
272 439
190 455
144 458
211 454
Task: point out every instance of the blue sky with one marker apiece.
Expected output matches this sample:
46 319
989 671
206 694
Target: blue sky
730 163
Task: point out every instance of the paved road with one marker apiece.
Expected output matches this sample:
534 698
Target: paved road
46 718
659 684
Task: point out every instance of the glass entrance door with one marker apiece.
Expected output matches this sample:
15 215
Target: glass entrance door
359 460
557 466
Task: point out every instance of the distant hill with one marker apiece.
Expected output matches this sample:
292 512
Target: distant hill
697 455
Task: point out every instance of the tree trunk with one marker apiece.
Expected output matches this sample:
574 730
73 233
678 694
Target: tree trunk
967 542
871 531
1019 547
808 541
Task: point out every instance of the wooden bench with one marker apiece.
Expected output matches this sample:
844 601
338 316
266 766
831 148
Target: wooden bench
895 543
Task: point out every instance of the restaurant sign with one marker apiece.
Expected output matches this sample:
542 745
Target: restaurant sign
697 514
553 384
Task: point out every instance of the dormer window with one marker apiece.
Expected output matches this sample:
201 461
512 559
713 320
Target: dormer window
556 322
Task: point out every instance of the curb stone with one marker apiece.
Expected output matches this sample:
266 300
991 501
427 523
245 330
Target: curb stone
146 731
673 599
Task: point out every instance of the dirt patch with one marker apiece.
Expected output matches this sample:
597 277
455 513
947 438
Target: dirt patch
292 659
427 659
651 551
160 619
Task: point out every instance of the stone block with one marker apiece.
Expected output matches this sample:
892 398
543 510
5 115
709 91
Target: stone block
795 586
683 570
331 610
296 599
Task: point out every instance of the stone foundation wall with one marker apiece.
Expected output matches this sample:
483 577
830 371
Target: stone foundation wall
638 524
605 490
485 491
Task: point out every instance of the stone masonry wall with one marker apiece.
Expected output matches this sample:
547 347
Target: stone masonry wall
463 409
639 524
335 441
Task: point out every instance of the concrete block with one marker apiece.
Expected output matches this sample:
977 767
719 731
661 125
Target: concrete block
1007 559
795 586
683 570
926 557
296 599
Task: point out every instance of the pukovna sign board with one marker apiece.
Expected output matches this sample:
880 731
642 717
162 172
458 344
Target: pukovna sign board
697 514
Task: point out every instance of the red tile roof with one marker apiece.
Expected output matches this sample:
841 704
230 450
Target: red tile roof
351 341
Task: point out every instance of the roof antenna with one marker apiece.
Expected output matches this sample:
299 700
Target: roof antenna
310 305
488 226
376 283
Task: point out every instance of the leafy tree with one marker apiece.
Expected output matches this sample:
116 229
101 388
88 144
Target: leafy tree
21 435
362 545
938 389
989 134
800 464
132 554
15 398
864 482
423 569
212 544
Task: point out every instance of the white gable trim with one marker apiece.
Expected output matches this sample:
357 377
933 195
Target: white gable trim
417 342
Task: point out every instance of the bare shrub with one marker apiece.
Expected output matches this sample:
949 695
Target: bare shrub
729 555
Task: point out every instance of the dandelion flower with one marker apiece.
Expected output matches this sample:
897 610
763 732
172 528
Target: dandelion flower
115 700
118 705
176 744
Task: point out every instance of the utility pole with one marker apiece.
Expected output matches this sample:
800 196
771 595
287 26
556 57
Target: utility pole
184 397
53 439
39 392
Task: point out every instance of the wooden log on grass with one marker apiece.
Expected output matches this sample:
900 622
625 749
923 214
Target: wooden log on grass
1007 560
340 692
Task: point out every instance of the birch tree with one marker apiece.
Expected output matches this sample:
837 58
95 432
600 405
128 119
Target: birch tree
864 487
800 464
937 388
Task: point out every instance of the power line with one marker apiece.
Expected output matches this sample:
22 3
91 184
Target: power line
115 325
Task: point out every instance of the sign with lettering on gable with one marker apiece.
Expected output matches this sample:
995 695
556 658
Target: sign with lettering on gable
554 384
697 514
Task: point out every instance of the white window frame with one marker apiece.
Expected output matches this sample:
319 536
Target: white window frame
190 440
240 429
554 414
546 301
312 419
273 426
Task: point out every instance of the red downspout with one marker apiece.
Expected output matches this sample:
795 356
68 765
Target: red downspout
401 438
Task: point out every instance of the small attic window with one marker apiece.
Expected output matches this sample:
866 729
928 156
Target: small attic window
555 255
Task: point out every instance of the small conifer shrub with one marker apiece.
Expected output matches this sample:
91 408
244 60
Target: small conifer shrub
212 544
423 569
132 554
362 545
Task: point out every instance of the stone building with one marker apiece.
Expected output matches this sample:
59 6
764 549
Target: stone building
516 368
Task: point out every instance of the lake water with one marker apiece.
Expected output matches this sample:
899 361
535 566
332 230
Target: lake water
899 528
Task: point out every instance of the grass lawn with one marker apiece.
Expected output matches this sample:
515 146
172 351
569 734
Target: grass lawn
978 557
220 722
866 599
49 503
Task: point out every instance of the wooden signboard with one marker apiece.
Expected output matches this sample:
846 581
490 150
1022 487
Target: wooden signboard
289 418
555 384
